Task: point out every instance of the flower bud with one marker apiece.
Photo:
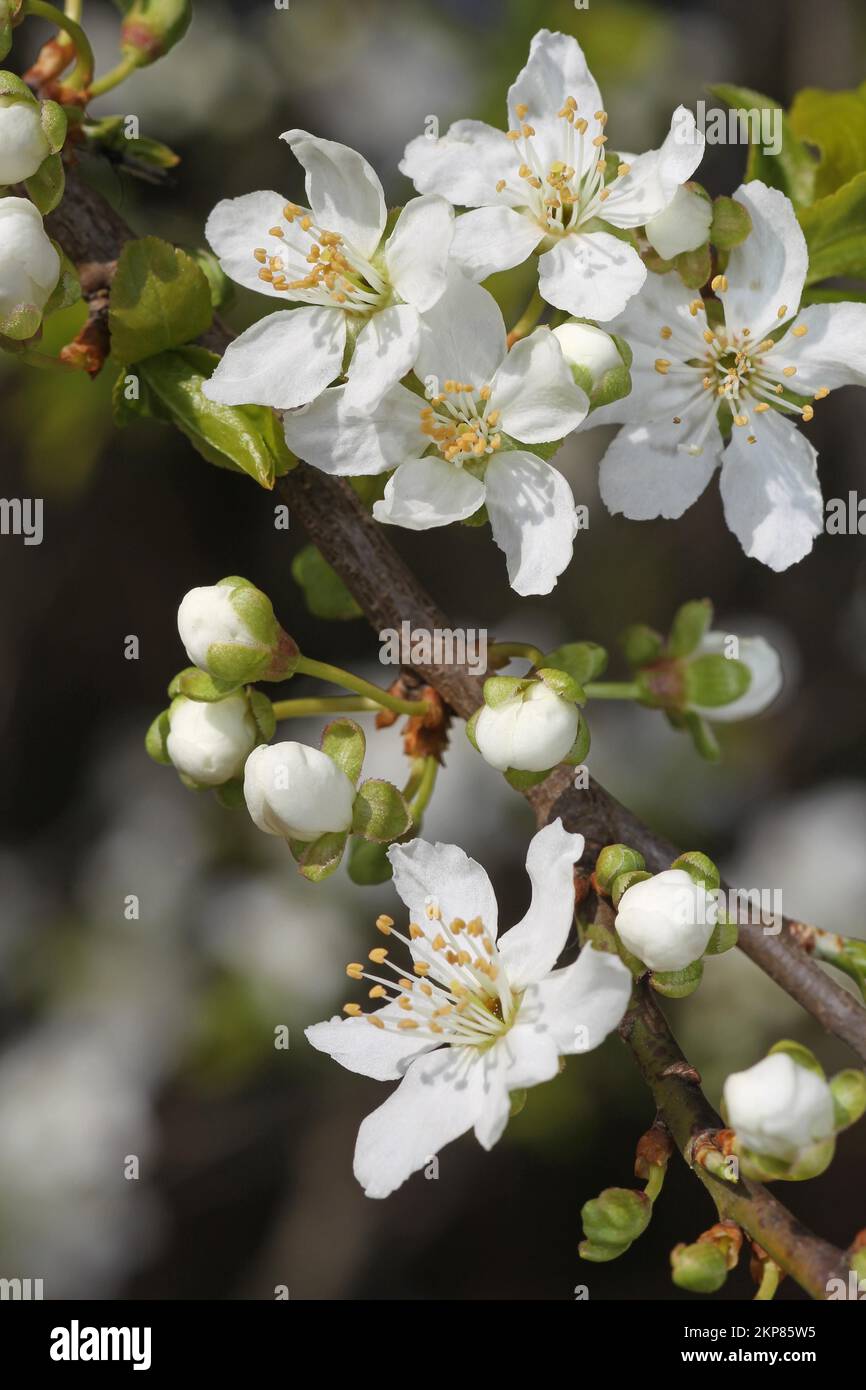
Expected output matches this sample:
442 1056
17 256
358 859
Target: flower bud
297 792
209 743
684 225
599 363
700 1268
667 920
152 27
530 731
613 860
778 1108
765 672
29 268
23 142
229 630
612 1220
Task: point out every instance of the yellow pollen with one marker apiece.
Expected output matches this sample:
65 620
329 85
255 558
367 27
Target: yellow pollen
352 1009
599 140
406 984
378 955
662 366
808 413
500 185
582 126
407 1023
760 409
261 255
513 135
276 231
355 971
623 169
781 311
605 193
677 420
789 371
719 283
800 331
751 439
709 336
457 926
376 1022
404 1003
527 131
522 110
415 931
822 392
438 942
378 992
384 923
695 307
666 332
421 968
741 419
306 223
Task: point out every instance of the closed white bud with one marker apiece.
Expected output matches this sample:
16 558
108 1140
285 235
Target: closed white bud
229 630
210 741
765 668
584 346
683 226
23 143
530 732
29 267
297 792
667 920
778 1108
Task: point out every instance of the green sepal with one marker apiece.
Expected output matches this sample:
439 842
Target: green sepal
602 938
731 224
231 794
802 1055
368 862
45 188
612 1221
380 812
690 623
68 288
701 734
523 781
324 591
233 664
321 857
577 753
198 685
694 267
562 684
700 1268
156 739
600 1254
714 680
724 938
470 728
139 153
152 27
344 743
160 299
262 710
810 1163
700 868
641 645
583 661
678 984
614 860
11 85
849 1097
623 881
498 689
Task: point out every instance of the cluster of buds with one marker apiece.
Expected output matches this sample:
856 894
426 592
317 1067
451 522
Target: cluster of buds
614 1220
32 134
785 1114
668 922
698 676
152 27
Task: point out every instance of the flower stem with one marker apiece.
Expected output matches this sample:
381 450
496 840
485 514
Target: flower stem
424 790
612 690
306 666
326 704
523 650
528 319
73 10
656 1181
114 76
769 1282
82 74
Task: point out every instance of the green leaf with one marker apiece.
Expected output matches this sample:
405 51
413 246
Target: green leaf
583 661
246 439
836 123
344 743
325 593
380 813
322 856
793 168
835 232
159 299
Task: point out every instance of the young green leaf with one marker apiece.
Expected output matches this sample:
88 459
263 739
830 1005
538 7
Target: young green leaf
159 299
325 593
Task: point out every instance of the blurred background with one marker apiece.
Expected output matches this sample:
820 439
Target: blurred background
153 1038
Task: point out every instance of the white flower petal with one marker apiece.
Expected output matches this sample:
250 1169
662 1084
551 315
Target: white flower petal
531 1055
237 227
361 1047
535 392
582 1004
767 271
766 669
531 948
416 253
385 351
343 190
493 238
332 436
462 336
464 165
556 69
533 519
428 492
654 177
440 1097
445 878
644 474
592 275
831 353
284 360
683 225
771 492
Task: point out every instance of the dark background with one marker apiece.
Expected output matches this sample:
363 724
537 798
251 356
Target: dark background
154 1038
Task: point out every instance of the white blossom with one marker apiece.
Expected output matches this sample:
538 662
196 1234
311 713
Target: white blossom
530 731
667 920
23 143
684 225
473 1018
211 740
779 1108
461 448
355 287
29 264
684 369
541 187
297 792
